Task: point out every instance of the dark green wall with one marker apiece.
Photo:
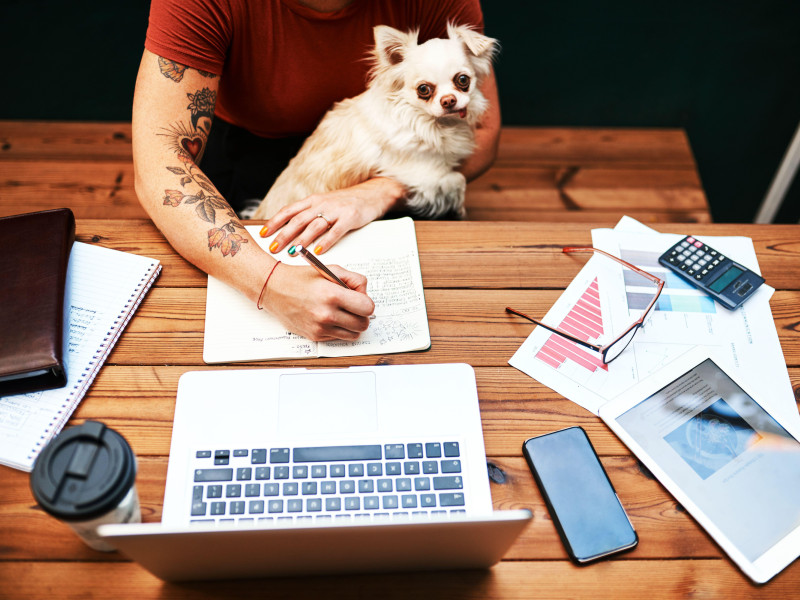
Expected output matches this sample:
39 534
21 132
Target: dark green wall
726 72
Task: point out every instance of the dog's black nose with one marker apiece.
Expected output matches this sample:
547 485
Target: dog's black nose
448 101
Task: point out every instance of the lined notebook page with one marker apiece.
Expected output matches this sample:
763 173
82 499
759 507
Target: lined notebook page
104 288
384 251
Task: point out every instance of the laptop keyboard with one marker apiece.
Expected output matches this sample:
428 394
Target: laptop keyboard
327 483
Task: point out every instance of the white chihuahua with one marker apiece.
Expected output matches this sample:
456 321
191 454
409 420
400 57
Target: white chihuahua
415 123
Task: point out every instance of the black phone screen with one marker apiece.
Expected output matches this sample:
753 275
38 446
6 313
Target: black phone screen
579 495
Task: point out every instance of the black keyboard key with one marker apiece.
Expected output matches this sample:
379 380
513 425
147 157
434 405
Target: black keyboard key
214 491
240 452
430 467
352 503
222 457
414 450
309 488
451 449
371 502
393 468
262 473
300 472
275 506
259 456
451 499
256 507
328 487
290 488
244 474
252 489
337 471
389 502
203 454
199 509
314 505
197 493
347 486
448 483
411 468
433 450
385 485
427 500
233 490
422 483
366 486
403 484
336 453
355 470
294 505
278 455
333 504
217 508
451 466
394 451
213 475
375 469
318 471
409 501
281 472
271 489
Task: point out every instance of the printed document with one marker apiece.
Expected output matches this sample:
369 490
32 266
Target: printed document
683 318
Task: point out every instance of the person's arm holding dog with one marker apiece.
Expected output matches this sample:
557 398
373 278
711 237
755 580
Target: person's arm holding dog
172 114
353 207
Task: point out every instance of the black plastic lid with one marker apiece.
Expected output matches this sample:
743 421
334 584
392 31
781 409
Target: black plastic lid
83 473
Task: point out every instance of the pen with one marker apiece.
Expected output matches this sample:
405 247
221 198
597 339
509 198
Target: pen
315 262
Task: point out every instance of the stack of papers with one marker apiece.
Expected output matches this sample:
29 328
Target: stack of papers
745 338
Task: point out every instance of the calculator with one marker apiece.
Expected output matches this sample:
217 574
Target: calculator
723 279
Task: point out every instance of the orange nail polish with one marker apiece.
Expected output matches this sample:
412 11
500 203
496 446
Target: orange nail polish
264 231
273 247
318 249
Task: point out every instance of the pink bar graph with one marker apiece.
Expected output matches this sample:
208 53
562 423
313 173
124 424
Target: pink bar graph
584 322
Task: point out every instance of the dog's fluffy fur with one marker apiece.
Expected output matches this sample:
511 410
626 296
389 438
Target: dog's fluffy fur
414 123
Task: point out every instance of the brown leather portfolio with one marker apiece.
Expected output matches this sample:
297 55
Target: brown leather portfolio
34 252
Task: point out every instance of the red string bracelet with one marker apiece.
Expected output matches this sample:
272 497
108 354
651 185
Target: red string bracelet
258 302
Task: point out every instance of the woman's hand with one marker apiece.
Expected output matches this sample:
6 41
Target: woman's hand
319 221
310 305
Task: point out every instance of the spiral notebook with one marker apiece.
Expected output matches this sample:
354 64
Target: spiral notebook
104 288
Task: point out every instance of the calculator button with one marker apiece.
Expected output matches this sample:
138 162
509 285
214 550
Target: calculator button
690 239
684 244
698 245
683 267
690 272
721 258
698 276
672 260
713 252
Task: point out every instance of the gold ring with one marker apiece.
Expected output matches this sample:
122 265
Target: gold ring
321 216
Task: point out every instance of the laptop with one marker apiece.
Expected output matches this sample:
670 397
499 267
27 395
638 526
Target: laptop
280 472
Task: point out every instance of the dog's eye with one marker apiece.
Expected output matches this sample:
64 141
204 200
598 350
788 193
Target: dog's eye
462 82
424 91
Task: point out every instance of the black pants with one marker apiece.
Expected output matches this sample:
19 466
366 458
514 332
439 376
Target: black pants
243 166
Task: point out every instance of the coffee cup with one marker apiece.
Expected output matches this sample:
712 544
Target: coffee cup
85 477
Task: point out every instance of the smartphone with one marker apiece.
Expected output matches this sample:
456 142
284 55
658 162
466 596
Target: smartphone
582 502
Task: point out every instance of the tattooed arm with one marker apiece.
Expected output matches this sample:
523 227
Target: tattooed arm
173 109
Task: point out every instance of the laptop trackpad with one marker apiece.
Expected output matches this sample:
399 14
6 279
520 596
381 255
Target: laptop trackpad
327 402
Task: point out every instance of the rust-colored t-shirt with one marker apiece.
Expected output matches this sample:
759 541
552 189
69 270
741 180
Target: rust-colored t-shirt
281 64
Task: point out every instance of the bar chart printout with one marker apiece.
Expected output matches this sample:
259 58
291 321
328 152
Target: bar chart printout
585 322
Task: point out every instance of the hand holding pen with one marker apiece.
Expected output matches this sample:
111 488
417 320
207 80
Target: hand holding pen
319 266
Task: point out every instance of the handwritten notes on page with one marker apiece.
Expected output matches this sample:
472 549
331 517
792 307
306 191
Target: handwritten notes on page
383 251
104 288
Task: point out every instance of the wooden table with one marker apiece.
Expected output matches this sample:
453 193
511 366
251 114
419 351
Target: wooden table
471 272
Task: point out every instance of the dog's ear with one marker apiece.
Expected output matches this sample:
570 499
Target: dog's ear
481 47
391 45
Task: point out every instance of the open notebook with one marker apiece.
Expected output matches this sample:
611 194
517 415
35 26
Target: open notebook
104 288
384 251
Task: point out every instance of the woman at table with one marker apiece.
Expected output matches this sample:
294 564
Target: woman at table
266 71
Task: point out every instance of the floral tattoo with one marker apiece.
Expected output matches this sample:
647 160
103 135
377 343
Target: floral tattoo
175 71
207 206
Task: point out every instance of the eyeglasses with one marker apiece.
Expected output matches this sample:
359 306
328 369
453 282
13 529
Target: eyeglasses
615 347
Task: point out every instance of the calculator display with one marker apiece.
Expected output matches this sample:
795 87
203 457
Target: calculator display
722 282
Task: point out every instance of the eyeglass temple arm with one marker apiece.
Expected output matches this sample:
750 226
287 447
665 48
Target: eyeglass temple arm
651 277
556 331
